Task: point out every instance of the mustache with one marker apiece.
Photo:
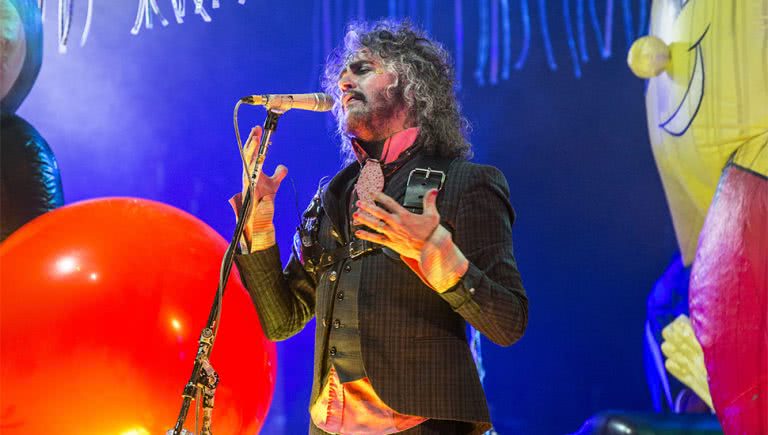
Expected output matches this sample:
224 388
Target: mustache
354 94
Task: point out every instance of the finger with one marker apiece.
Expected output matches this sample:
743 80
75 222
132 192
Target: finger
376 211
430 202
390 204
668 349
362 218
236 202
272 184
251 146
280 172
254 137
374 237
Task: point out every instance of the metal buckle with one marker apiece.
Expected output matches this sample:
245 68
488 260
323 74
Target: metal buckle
354 252
428 174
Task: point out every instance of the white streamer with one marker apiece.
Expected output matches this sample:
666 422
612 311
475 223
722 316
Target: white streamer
200 10
87 27
156 10
144 14
179 10
65 23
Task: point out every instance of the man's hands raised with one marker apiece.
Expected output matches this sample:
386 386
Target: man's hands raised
259 229
397 228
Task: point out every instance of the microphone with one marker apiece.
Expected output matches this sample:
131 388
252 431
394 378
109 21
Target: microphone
317 102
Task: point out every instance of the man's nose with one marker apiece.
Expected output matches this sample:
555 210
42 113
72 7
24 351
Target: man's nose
346 83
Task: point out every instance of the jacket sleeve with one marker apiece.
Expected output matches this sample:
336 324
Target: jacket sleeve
490 295
284 299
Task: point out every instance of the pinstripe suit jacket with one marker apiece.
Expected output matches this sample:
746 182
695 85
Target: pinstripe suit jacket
413 340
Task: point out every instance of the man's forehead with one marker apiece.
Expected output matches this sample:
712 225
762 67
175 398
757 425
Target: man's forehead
362 55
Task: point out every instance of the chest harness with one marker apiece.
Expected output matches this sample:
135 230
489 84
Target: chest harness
315 258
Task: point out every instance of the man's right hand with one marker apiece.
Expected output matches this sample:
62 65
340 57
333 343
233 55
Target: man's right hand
259 231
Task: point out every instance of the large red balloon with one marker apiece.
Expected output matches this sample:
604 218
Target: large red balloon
102 303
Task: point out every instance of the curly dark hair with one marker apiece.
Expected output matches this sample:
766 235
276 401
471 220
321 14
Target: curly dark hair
425 81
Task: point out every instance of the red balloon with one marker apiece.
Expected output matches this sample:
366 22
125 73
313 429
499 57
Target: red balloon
102 306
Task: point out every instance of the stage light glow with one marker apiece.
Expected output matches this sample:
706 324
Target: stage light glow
67 265
135 431
621 428
176 324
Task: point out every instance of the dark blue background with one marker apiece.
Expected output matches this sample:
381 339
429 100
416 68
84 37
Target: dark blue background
151 116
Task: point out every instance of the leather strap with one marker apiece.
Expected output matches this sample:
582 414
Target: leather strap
430 175
353 249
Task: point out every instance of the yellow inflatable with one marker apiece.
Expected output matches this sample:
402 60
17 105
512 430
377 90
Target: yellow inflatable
709 101
707 107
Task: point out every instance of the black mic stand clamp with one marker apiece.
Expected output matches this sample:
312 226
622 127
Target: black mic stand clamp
209 379
206 382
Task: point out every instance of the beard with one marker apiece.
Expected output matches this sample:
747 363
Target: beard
368 118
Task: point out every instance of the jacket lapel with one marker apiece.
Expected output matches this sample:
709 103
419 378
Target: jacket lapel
334 202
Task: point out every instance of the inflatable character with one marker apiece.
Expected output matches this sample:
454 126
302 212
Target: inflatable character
30 184
707 107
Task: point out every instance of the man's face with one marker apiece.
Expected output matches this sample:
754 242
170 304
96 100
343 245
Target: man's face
369 110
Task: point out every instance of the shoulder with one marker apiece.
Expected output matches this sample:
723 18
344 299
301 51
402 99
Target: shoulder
472 186
464 175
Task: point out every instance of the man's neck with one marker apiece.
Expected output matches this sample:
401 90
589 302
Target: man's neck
373 147
387 149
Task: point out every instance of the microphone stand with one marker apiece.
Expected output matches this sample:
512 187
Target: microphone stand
203 376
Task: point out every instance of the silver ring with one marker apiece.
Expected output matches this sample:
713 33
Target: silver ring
381 223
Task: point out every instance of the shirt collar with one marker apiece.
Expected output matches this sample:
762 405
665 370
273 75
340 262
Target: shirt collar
393 146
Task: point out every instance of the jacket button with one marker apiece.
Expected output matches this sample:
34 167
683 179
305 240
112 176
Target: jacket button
337 324
348 268
340 296
332 276
471 290
332 352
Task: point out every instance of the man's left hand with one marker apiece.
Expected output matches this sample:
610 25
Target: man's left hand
397 228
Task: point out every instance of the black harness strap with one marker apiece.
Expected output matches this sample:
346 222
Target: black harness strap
430 175
421 181
355 248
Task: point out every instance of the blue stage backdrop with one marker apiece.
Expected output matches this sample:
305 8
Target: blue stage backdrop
151 116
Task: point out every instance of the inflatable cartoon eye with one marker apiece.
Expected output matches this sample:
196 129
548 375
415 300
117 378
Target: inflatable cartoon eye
21 39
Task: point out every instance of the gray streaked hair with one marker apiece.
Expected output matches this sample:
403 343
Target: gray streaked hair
425 82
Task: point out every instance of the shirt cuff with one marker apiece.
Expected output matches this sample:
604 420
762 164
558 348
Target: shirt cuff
463 292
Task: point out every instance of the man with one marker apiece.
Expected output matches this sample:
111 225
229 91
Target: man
392 287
